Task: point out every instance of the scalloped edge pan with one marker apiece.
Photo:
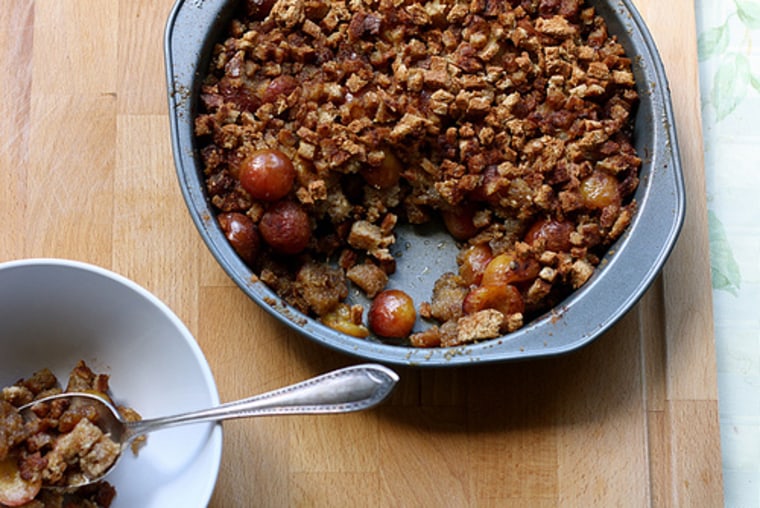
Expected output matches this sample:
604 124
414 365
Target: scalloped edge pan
628 269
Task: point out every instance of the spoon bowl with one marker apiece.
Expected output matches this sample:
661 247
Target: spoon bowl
340 391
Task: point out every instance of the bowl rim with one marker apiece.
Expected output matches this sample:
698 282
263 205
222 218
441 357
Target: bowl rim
657 225
215 436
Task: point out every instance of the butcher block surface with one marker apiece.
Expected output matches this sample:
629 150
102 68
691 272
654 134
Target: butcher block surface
629 420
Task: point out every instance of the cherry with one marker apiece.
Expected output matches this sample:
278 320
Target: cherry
385 175
392 314
474 261
241 233
508 269
502 297
267 175
554 233
282 85
460 222
341 319
600 189
285 227
14 490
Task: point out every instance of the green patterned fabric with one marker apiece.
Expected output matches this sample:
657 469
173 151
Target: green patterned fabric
729 67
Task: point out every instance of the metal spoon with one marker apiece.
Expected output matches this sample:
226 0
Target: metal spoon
340 391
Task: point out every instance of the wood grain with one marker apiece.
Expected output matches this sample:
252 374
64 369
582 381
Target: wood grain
630 420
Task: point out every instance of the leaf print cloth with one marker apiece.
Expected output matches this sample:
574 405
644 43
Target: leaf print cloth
729 67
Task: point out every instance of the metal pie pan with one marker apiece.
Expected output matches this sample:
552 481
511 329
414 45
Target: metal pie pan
423 254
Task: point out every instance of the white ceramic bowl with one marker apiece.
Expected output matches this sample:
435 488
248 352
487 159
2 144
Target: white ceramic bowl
54 313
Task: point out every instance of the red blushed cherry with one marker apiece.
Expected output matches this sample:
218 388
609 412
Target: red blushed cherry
503 297
474 262
241 233
286 228
267 175
392 314
14 490
460 222
554 233
386 175
506 268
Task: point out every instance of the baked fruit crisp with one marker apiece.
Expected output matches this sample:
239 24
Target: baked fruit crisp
57 448
323 124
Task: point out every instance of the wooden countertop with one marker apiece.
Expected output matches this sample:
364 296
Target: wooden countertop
631 420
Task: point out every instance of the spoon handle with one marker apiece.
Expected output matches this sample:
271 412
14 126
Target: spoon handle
340 391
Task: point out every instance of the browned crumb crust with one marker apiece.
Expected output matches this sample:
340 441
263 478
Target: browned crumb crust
513 114
62 443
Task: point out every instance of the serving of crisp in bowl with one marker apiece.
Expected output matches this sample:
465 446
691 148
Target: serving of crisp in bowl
71 326
428 183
